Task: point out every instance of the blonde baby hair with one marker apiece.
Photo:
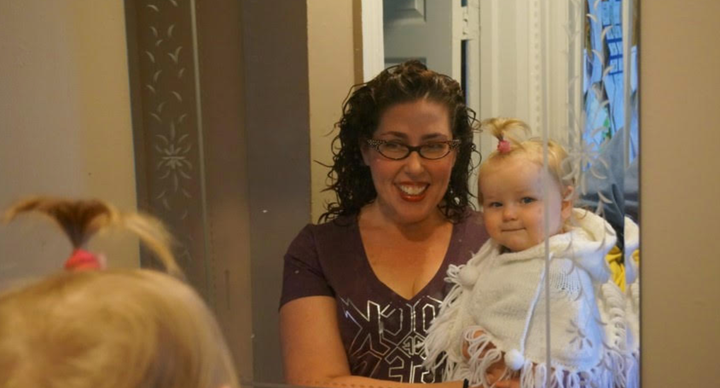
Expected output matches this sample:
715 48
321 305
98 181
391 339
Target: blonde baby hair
120 328
513 131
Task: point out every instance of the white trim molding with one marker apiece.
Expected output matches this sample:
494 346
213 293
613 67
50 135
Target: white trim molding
372 38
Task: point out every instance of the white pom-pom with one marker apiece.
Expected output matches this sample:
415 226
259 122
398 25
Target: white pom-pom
514 360
468 276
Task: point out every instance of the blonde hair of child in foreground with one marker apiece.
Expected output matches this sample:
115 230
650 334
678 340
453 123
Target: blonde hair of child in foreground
120 328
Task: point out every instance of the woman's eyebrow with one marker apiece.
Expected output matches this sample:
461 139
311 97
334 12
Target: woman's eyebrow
395 134
432 136
404 136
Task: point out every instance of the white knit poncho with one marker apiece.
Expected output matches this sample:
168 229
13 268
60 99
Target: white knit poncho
503 294
632 296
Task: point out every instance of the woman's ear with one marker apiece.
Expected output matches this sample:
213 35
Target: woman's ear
567 203
365 152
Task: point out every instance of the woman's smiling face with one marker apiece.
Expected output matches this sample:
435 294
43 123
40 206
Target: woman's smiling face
409 190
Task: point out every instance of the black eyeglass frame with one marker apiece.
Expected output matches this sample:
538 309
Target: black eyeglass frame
376 143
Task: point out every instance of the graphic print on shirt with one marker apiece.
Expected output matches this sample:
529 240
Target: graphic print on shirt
390 334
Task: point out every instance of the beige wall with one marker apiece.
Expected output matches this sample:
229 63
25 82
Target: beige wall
330 75
64 121
680 193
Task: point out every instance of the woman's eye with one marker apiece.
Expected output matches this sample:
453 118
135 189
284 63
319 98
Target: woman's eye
393 146
434 146
527 200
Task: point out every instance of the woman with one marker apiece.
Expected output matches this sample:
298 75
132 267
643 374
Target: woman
360 290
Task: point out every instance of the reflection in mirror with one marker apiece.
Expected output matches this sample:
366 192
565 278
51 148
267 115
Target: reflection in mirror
587 102
562 75
631 182
604 122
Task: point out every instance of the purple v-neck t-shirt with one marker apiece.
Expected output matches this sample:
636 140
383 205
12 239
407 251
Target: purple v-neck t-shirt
379 328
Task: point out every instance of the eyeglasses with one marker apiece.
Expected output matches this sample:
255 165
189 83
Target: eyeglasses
399 151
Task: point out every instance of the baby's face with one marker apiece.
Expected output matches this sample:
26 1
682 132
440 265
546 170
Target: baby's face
513 203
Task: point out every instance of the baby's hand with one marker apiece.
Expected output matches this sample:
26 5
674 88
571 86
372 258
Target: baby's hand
512 383
497 370
466 345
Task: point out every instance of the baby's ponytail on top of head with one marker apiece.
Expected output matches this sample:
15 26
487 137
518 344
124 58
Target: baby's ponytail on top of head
81 219
506 129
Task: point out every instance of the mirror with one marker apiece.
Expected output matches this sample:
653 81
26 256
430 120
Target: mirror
231 103
569 69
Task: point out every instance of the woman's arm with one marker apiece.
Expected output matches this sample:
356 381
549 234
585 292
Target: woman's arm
313 353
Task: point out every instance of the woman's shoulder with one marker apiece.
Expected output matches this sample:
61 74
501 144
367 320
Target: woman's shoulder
335 231
335 227
471 225
469 235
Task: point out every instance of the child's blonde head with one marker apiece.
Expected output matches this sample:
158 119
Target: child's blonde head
513 131
109 328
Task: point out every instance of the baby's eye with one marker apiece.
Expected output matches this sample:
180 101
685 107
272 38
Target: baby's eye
494 204
527 200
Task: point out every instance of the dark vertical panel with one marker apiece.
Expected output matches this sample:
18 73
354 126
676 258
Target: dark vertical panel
220 48
277 124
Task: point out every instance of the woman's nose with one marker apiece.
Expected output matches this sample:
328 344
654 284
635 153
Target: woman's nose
414 163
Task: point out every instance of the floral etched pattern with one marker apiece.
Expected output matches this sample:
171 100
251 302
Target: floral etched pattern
171 168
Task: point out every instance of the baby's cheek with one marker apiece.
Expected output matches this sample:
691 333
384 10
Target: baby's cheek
537 233
490 223
493 232
538 210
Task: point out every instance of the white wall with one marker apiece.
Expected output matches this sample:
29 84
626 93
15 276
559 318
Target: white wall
64 122
523 45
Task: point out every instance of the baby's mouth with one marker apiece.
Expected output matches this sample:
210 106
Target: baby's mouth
512 230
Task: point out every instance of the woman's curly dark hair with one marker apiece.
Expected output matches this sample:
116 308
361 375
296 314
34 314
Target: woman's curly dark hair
409 81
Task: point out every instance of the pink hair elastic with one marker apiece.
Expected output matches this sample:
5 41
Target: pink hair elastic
82 260
503 146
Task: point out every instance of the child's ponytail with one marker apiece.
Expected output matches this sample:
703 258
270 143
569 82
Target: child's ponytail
82 219
513 139
506 130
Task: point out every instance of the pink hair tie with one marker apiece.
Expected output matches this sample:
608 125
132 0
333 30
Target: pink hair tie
82 260
503 146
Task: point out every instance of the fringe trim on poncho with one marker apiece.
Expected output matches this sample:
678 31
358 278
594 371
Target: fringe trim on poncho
616 369
618 366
